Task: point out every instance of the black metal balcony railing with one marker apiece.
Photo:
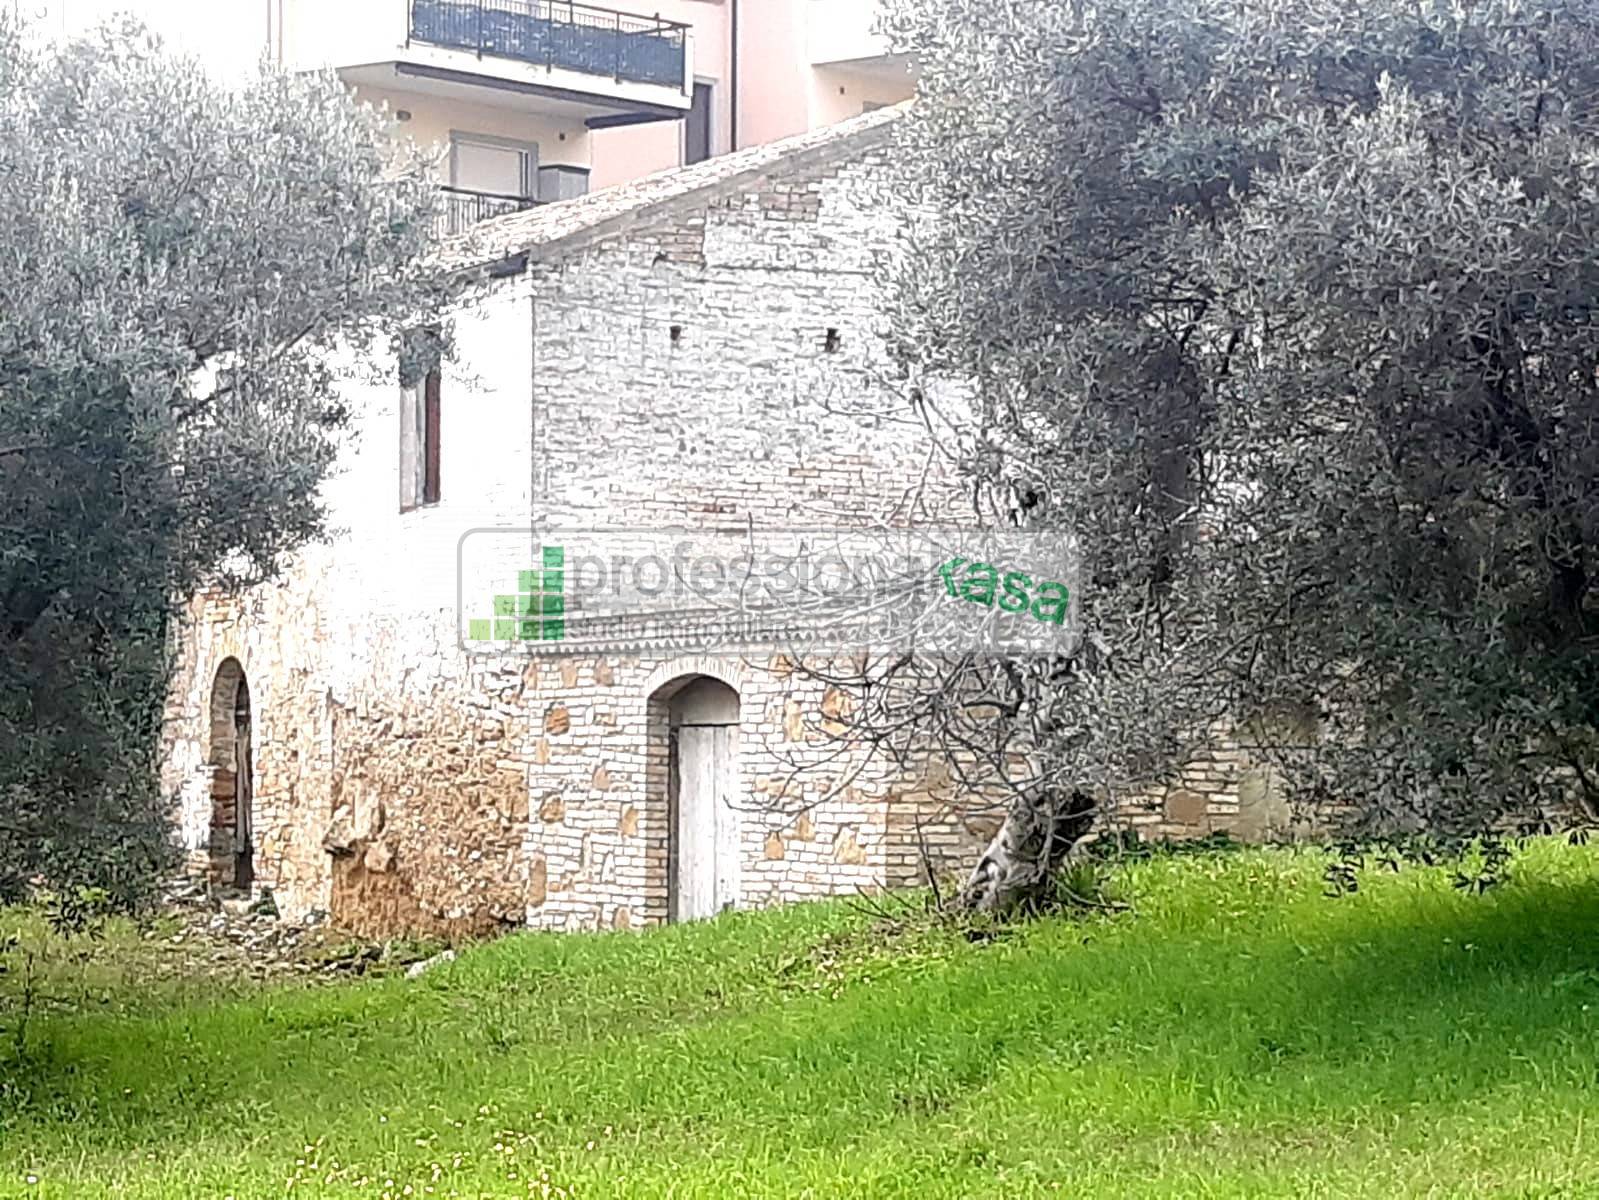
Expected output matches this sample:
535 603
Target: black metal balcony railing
463 208
554 33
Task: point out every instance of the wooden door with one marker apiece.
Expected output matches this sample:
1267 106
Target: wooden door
707 820
243 803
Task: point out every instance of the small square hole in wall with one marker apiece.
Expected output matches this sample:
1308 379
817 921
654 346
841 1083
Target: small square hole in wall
833 341
677 334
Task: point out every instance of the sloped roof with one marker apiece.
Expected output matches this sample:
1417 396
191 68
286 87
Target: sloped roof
545 226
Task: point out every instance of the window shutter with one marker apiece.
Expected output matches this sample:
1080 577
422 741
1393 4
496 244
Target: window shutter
430 470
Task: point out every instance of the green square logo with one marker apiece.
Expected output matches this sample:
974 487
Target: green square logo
537 613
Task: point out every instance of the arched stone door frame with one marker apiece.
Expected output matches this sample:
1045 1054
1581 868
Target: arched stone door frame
694 712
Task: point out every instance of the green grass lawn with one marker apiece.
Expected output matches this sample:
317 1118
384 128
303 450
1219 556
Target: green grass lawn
1236 1034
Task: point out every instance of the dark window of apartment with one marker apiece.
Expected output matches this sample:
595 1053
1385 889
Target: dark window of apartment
698 125
419 442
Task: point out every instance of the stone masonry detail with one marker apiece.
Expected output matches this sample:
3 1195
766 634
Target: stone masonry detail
696 360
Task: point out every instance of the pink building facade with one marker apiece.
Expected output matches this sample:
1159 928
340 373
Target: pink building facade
521 102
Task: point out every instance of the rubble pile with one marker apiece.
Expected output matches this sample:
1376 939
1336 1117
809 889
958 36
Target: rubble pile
233 934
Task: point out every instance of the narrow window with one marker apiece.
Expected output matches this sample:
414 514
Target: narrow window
419 442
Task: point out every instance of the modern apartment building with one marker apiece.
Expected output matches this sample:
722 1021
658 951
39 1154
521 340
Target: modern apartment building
524 101
528 101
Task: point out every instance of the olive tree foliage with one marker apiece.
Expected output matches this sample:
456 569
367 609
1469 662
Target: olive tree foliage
1289 310
181 265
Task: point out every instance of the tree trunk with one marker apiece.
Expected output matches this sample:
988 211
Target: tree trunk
1017 871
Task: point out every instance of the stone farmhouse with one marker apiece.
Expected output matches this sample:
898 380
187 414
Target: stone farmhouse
668 353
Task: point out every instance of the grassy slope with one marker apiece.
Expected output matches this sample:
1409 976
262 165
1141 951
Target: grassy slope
1237 1035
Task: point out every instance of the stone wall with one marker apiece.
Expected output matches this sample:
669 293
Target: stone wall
358 688
710 364
687 374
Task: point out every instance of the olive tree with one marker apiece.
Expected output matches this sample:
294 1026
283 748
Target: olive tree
1289 311
178 261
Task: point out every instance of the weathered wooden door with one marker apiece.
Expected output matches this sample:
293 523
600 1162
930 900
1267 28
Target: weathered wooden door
707 820
705 801
244 794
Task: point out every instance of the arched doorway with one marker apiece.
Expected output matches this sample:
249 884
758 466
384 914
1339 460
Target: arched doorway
703 718
232 779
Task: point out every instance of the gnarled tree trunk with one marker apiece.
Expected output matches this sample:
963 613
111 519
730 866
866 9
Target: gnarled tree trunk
1017 871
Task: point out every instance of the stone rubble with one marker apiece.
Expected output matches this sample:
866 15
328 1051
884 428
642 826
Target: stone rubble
197 932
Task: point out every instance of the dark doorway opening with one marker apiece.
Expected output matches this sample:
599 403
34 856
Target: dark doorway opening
232 779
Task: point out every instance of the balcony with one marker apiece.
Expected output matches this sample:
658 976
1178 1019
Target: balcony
565 62
551 34
463 208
